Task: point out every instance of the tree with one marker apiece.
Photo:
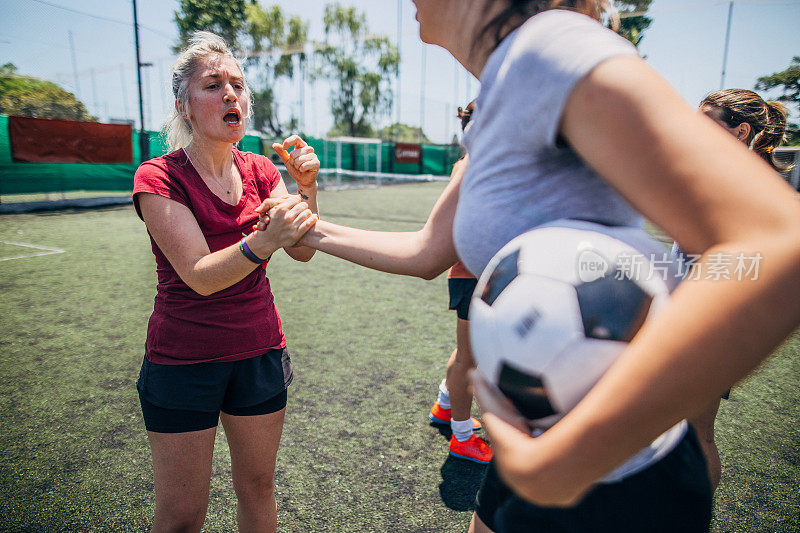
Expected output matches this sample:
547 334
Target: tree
788 81
276 51
792 136
633 22
403 133
226 18
361 67
31 97
342 130
272 44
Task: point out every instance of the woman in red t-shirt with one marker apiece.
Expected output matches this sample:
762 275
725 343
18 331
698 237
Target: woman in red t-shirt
215 348
454 401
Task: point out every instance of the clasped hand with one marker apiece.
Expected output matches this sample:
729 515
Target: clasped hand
521 460
282 221
301 163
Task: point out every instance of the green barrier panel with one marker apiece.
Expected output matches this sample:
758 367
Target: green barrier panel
157 145
438 159
5 141
251 143
26 178
387 156
346 154
320 147
360 151
326 152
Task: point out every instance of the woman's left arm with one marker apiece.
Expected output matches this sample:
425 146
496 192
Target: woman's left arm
303 166
716 198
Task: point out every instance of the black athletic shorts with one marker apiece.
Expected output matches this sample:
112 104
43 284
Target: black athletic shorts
180 398
461 290
670 496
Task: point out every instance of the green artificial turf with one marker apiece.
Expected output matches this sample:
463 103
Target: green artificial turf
368 349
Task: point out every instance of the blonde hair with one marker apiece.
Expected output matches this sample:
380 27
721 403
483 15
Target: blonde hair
178 129
767 120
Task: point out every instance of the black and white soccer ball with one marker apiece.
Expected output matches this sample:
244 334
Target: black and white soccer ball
557 305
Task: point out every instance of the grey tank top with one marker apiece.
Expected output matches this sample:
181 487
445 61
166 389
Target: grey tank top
519 176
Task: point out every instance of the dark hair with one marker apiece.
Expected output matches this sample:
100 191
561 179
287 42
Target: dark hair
767 120
465 114
518 11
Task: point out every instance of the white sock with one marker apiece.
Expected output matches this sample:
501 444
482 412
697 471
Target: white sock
462 429
444 396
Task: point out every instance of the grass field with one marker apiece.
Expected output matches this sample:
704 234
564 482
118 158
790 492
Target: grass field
369 350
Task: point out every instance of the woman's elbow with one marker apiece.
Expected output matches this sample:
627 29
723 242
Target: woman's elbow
430 271
428 275
199 285
792 225
303 254
202 289
792 239
784 230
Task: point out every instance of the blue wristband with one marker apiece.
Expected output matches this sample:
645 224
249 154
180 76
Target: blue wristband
248 253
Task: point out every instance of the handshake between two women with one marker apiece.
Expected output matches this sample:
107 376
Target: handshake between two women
289 217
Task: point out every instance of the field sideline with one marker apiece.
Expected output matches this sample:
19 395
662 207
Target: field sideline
369 350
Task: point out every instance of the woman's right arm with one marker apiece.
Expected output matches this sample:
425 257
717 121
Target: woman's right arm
177 234
425 253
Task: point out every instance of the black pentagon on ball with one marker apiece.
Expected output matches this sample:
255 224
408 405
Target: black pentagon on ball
526 391
504 273
612 308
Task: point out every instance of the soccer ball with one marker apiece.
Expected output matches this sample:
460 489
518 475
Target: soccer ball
557 305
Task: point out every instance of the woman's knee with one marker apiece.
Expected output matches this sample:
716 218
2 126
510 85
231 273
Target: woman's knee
254 486
183 516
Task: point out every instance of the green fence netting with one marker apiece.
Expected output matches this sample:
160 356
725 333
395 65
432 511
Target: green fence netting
436 159
27 178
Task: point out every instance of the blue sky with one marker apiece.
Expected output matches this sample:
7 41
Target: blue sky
685 44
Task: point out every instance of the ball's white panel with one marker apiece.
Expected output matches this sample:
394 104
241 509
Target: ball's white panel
534 319
594 249
571 374
561 254
484 339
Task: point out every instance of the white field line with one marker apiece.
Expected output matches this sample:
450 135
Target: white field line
47 250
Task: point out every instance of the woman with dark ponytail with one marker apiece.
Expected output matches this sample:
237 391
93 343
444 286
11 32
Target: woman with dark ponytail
761 126
758 124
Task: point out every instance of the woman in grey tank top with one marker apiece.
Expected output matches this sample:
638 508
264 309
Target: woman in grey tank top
568 104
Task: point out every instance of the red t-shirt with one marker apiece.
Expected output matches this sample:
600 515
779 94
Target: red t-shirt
459 271
234 323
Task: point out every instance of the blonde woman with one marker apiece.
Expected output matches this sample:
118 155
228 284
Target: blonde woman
215 348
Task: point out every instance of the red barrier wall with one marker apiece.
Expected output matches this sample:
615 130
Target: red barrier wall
38 140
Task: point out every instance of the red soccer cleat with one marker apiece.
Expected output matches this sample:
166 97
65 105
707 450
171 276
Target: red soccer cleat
438 415
473 449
